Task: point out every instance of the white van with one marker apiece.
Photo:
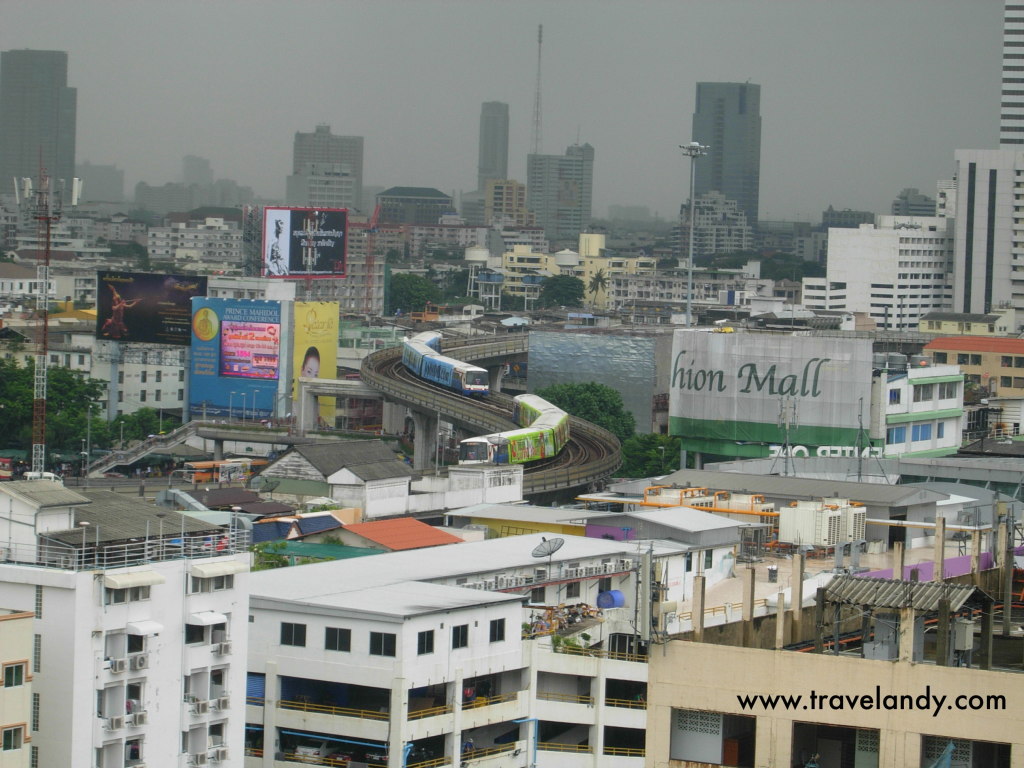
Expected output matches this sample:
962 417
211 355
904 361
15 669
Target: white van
43 476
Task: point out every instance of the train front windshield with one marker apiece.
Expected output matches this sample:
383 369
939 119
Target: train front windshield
477 378
473 452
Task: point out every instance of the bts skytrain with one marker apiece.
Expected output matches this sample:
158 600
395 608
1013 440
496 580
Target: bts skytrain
544 432
421 354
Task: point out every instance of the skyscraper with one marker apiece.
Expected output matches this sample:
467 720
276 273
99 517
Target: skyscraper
728 121
1011 117
322 149
37 116
493 160
559 191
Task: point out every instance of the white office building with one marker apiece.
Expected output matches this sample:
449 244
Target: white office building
896 271
212 244
140 628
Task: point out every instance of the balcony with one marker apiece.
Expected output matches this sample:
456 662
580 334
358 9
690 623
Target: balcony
326 709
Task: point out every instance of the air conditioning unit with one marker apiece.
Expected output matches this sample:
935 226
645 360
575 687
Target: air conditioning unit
222 649
118 665
140 718
115 723
220 753
140 662
625 565
489 584
200 707
222 703
199 759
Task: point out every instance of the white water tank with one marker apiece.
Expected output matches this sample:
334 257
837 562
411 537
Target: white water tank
477 254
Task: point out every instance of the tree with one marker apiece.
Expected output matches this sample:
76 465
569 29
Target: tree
649 455
561 291
598 283
593 402
410 293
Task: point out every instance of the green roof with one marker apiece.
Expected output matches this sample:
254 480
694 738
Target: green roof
321 551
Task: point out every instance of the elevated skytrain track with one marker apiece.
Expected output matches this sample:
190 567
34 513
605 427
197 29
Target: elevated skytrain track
590 457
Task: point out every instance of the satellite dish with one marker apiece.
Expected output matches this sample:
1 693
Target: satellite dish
547 547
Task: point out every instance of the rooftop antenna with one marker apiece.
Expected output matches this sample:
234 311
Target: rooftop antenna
535 139
787 420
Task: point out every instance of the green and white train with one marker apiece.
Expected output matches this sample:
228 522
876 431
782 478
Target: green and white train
544 432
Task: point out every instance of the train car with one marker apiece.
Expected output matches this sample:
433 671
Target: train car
421 355
544 433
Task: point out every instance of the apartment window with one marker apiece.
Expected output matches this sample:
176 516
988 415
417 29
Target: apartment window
136 643
537 595
142 377
1006 361
156 395
382 644
14 675
572 589
128 594
13 738
194 633
921 432
425 642
604 585
497 630
894 397
293 634
37 652
1005 381
142 396
181 394
120 397
1018 362
708 555
896 436
35 711
940 430
120 377
923 392
33 760
39 602
211 584
460 636
940 357
181 375
337 639
159 376
949 389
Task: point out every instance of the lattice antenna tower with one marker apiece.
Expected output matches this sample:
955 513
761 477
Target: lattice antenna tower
787 421
535 139
46 210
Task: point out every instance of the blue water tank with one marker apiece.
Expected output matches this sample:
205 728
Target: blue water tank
613 598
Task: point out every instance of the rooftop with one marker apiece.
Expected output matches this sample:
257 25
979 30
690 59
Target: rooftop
402 533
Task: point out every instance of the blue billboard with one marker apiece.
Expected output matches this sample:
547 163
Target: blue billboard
236 358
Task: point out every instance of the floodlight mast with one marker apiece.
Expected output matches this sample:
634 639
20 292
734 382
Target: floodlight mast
693 150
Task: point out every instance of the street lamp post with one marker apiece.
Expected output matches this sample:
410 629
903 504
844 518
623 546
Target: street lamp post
693 150
252 413
231 405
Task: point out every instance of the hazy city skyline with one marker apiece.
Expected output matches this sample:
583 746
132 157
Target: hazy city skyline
859 98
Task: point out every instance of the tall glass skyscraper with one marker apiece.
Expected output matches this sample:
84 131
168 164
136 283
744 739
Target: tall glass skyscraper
37 116
728 120
493 161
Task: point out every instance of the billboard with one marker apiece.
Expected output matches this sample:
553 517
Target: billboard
304 242
236 358
743 394
315 353
140 307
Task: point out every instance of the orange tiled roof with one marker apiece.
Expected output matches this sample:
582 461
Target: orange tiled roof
977 344
402 533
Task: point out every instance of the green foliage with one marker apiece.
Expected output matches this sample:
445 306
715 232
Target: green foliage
561 291
598 282
133 251
642 455
268 554
593 402
410 293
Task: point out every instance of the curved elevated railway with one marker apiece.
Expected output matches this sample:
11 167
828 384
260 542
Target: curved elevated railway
591 455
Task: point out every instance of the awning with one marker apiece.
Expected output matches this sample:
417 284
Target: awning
144 628
133 579
223 568
207 618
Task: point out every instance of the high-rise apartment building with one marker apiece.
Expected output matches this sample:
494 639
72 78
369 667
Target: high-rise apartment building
322 149
493 160
1011 117
37 116
560 189
728 121
196 170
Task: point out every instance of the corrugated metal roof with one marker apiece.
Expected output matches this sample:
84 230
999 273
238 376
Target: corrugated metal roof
367 459
977 344
896 594
45 493
402 533
116 516
316 524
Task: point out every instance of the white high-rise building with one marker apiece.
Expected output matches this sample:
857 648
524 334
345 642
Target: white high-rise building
140 633
895 271
1011 118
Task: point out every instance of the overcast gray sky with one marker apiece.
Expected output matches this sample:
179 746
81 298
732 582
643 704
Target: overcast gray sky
859 98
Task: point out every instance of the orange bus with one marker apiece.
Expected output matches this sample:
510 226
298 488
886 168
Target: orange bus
222 471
